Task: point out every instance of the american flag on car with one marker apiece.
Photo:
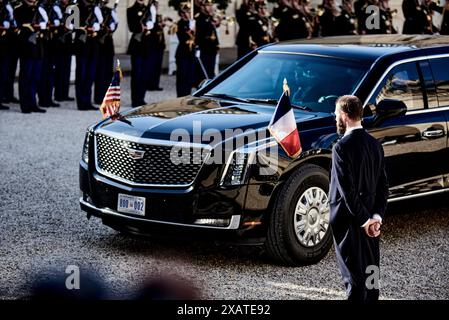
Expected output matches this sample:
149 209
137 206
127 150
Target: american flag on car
111 101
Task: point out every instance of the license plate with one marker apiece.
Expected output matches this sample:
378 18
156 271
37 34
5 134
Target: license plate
131 204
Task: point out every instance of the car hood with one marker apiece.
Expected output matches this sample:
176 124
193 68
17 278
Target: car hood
195 117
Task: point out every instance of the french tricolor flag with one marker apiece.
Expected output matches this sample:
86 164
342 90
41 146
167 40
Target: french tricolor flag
283 127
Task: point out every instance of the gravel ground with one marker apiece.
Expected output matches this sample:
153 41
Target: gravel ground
42 226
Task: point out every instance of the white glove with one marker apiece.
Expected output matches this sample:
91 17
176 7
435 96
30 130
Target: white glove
114 16
58 12
112 26
149 25
57 23
153 13
98 14
192 24
197 54
6 24
43 25
43 14
96 26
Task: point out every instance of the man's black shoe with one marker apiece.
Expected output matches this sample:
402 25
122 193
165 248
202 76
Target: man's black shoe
38 110
2 107
26 111
54 104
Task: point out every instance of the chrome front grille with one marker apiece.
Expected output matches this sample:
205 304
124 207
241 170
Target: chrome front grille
114 158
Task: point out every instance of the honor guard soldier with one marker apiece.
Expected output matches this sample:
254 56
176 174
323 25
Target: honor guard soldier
327 18
302 20
428 7
185 52
346 22
64 48
242 17
157 47
46 85
289 21
359 10
13 55
32 22
259 26
413 17
386 16
7 26
87 50
105 65
206 39
141 19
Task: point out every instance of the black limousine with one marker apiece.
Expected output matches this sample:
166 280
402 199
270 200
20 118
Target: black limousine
139 179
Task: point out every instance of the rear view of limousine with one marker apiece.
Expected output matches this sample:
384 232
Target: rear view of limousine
129 179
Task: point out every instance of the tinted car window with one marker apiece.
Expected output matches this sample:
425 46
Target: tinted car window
401 83
440 70
315 82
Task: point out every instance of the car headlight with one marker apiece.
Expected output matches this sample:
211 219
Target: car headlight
239 163
85 154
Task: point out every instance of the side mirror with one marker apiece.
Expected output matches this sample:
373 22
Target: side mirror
390 108
204 83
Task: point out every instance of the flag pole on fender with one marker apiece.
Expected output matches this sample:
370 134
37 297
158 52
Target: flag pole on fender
110 106
283 125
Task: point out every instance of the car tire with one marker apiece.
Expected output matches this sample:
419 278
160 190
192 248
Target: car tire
284 243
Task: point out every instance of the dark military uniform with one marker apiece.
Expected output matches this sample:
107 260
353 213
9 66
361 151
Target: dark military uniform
46 85
346 23
157 47
413 17
87 51
185 59
386 21
242 41
63 63
292 23
427 10
327 23
206 40
7 25
105 65
359 10
139 49
31 24
259 30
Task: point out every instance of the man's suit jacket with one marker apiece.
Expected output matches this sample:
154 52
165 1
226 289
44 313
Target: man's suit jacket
359 186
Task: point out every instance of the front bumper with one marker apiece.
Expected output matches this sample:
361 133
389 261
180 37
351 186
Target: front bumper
173 213
109 213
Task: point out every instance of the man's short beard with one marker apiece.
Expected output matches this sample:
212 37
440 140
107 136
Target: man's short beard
341 127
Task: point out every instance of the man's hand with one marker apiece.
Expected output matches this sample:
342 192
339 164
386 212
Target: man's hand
372 228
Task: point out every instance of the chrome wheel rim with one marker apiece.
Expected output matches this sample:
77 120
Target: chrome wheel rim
311 218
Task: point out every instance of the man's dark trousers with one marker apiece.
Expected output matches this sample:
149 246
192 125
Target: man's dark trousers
358 189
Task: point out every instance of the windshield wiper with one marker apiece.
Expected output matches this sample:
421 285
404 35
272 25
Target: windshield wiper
225 96
301 107
258 100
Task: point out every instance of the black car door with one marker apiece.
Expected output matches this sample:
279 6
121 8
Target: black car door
440 70
415 142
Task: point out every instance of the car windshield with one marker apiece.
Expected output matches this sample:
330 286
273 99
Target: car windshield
315 81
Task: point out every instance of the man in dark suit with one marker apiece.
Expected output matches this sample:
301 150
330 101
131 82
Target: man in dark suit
358 199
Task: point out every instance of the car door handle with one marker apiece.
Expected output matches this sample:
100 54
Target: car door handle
433 133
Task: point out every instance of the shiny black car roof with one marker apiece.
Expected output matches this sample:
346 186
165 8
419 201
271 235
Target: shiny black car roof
367 48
